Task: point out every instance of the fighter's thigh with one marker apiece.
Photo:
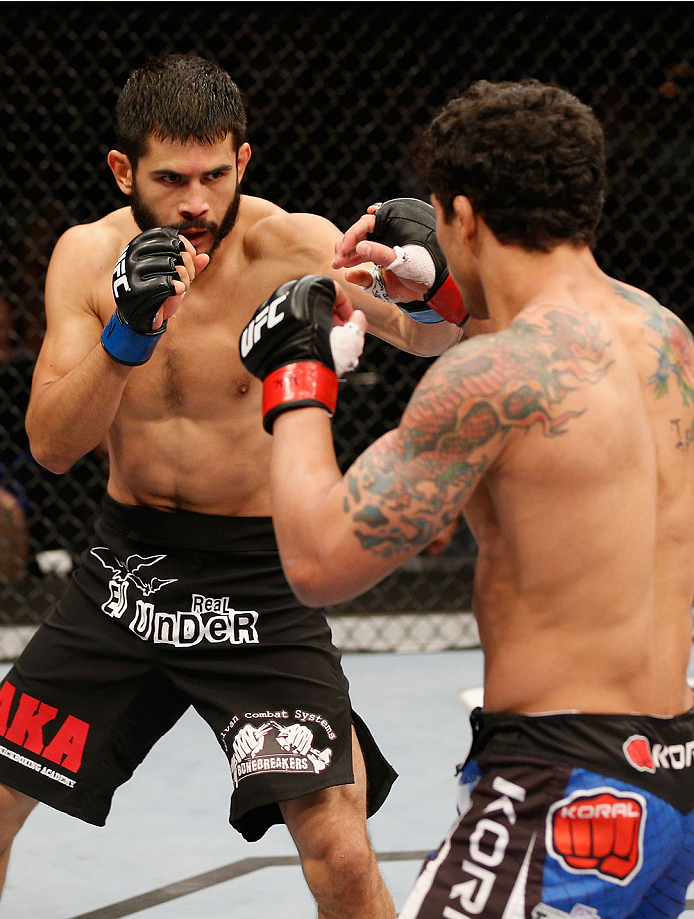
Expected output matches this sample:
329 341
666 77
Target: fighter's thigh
78 712
491 860
544 838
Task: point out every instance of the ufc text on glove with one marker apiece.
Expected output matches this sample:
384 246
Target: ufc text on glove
142 280
287 346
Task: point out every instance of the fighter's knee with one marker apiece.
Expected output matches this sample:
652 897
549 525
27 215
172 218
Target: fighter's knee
337 858
349 866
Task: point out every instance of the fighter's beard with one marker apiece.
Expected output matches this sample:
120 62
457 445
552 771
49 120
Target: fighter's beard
146 219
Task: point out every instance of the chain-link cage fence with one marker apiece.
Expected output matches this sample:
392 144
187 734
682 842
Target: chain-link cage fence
337 94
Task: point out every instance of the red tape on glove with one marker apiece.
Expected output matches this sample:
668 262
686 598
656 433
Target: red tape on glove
305 383
448 303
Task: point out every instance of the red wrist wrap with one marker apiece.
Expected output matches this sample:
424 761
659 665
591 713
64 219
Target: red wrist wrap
305 383
448 303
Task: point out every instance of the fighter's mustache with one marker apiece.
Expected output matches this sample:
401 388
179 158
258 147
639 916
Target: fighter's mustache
195 225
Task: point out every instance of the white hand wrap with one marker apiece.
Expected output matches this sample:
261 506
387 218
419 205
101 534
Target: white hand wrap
346 344
377 288
412 263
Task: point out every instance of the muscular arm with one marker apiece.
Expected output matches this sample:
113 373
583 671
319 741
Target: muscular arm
407 486
76 387
310 241
340 535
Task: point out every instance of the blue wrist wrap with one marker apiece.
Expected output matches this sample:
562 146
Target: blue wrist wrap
125 345
425 316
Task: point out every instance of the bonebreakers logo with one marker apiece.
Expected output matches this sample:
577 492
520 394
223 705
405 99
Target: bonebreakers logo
646 758
272 746
598 831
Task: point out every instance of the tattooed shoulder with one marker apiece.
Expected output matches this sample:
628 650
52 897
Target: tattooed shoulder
456 423
672 343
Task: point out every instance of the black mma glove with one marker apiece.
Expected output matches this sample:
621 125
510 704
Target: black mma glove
287 346
409 221
142 280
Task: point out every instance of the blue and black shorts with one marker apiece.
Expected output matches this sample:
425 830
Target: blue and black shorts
567 815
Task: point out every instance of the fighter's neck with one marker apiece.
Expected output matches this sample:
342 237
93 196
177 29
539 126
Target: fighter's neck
513 279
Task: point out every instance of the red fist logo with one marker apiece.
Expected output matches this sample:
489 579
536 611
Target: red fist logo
637 750
599 832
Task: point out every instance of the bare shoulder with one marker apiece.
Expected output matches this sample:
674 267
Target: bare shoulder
276 233
649 310
540 337
669 345
82 262
98 242
635 295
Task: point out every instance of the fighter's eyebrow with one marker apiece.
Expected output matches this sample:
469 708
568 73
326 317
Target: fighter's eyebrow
223 167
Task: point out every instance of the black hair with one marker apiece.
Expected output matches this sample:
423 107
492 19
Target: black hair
182 98
530 158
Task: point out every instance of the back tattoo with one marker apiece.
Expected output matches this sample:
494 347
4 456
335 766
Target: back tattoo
675 347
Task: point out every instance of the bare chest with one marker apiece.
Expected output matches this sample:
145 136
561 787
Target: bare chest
196 370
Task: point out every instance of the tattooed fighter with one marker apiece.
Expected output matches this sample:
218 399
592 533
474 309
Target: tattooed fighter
565 436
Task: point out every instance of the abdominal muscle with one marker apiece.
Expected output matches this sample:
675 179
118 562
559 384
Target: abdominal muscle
179 463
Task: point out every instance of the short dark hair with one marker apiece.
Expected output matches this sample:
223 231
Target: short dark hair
178 97
530 157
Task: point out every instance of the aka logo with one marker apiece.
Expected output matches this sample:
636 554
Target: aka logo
598 831
29 729
268 316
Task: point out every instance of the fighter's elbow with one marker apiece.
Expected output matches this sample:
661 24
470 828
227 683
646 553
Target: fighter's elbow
48 456
310 582
55 464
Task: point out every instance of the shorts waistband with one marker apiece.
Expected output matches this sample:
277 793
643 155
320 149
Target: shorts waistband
569 736
656 754
189 529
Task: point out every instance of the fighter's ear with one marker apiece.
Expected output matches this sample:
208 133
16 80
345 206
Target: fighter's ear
242 158
122 170
464 211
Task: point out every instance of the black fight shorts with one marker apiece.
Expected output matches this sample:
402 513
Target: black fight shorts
167 610
567 816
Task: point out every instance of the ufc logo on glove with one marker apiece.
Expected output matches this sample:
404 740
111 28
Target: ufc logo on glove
266 316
